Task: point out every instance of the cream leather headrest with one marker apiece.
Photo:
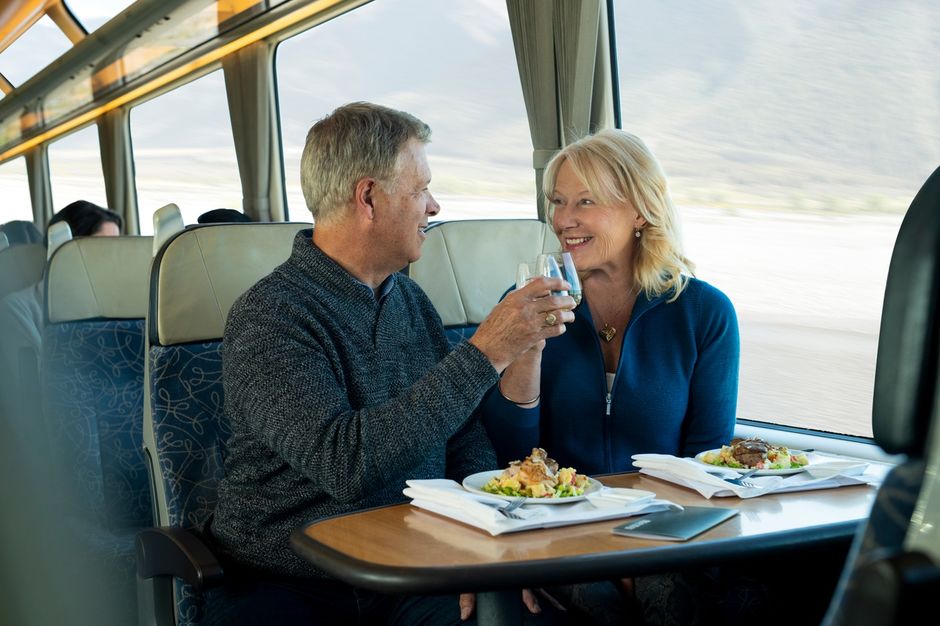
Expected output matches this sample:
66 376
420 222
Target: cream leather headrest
167 221
466 266
201 271
56 235
93 277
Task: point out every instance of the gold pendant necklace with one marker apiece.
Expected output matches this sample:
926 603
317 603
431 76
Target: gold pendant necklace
607 332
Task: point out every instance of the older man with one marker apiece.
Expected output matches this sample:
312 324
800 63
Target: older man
338 377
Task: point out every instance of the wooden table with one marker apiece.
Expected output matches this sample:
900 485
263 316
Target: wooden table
403 549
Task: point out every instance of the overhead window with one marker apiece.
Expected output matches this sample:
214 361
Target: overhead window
75 169
184 152
466 88
14 189
39 46
795 136
94 13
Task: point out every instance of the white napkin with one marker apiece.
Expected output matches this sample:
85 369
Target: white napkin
620 497
708 480
447 498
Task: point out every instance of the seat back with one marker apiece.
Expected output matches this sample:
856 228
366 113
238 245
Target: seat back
92 372
20 232
91 385
196 277
905 416
466 266
21 266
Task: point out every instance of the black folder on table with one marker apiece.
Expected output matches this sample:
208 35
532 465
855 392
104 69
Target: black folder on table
675 525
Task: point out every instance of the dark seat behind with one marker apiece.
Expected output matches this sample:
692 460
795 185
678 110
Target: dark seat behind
884 582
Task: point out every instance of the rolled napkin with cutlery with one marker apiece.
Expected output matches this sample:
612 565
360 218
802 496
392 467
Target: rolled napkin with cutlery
709 480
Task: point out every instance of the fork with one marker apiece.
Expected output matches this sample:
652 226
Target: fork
742 479
509 509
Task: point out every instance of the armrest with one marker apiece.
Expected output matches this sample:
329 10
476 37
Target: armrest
177 553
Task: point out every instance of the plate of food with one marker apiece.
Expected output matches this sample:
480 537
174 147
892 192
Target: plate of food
537 478
748 454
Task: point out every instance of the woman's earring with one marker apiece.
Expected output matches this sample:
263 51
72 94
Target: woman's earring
636 233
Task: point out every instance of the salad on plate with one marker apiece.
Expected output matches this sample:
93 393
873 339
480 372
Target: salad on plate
537 476
753 453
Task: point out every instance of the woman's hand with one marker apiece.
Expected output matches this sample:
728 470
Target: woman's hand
468 602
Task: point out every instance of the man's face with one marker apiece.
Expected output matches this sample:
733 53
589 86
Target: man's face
403 206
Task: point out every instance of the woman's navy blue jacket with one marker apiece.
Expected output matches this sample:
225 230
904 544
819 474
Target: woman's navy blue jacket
675 390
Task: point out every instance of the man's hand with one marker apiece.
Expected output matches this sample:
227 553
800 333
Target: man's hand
468 602
525 318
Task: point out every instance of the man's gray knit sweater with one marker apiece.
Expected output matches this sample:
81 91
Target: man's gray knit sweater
336 398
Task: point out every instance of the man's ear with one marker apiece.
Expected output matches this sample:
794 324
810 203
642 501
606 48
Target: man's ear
364 194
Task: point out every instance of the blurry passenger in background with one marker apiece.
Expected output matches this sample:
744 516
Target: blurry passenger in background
222 216
20 232
650 364
21 315
339 380
32 516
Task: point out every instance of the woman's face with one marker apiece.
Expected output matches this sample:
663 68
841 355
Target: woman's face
597 235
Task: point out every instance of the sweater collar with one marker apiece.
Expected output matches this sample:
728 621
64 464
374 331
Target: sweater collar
316 263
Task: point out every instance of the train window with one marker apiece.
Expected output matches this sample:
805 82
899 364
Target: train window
468 91
94 13
795 137
41 44
14 188
75 169
184 151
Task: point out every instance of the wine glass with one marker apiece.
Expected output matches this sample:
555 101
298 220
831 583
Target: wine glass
561 265
523 275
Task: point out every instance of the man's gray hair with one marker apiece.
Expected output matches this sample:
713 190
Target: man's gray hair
355 141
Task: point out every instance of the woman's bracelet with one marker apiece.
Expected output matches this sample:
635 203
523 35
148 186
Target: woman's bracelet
499 386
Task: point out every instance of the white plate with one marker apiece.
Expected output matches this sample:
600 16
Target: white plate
475 482
763 472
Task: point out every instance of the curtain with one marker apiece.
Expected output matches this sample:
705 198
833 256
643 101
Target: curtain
117 165
563 54
249 85
40 188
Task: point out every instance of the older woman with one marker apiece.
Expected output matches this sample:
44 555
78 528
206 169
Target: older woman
650 363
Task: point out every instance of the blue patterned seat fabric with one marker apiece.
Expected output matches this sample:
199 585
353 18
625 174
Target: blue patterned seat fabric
191 431
456 334
92 383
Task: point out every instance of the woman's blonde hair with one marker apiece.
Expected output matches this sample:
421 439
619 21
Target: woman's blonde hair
617 169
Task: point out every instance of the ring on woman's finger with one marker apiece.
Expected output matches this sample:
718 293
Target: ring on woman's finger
550 319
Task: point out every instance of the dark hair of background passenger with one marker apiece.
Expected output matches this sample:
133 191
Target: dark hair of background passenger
85 218
222 216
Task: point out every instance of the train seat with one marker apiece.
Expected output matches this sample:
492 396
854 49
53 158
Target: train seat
466 266
19 232
21 265
196 276
91 381
887 580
